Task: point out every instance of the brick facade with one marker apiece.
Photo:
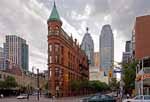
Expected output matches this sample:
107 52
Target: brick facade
142 37
66 60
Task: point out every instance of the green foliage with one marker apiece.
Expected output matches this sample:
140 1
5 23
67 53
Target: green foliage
92 85
75 85
2 84
46 85
129 75
9 82
114 84
99 86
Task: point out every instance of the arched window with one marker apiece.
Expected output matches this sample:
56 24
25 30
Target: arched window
49 30
56 30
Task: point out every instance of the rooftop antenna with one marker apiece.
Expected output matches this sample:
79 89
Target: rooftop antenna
87 29
54 3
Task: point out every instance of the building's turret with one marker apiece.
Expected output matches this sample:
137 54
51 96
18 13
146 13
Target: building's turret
54 22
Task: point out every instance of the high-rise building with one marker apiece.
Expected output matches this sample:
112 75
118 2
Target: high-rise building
133 45
142 35
127 55
1 59
88 46
66 61
126 58
106 49
16 52
97 59
128 46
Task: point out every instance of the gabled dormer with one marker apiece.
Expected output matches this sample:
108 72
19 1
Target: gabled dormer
54 22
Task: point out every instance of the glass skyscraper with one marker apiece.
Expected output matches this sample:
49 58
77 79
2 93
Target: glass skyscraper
106 49
88 46
16 52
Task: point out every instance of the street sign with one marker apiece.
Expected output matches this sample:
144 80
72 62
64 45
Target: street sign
117 71
146 76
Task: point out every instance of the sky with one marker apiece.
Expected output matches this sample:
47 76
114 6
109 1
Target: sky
28 19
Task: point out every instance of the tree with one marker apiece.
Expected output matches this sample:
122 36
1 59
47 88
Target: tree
10 82
46 85
98 86
74 85
2 84
129 74
114 84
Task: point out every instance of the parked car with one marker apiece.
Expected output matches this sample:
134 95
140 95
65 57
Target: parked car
22 96
99 98
85 99
139 98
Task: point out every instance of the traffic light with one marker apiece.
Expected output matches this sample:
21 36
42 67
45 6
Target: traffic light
110 74
66 77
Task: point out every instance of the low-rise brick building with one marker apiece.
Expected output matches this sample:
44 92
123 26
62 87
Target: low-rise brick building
25 79
66 60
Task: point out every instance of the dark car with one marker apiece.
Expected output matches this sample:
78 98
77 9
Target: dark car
100 98
85 99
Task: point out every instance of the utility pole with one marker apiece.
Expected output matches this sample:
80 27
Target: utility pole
48 82
38 83
142 77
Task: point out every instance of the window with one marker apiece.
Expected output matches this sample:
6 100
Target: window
56 59
56 30
50 59
62 60
62 50
49 30
147 97
56 71
69 55
68 64
56 48
50 48
50 72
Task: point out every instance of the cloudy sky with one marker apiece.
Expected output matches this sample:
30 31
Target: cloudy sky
28 19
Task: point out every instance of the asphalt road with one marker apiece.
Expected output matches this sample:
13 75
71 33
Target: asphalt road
42 99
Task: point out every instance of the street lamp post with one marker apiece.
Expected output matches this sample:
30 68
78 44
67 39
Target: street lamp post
142 77
38 83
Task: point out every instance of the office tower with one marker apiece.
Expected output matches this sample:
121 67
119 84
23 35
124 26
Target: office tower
1 59
97 59
128 46
16 52
88 46
106 49
127 55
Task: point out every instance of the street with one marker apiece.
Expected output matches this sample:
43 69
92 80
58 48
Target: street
42 99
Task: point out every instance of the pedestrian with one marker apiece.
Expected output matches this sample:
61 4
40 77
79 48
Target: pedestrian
128 96
28 96
2 96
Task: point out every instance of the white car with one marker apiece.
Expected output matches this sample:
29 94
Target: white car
22 96
139 98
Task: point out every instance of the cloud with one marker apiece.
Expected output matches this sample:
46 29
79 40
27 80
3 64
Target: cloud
27 18
124 12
